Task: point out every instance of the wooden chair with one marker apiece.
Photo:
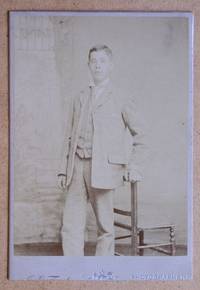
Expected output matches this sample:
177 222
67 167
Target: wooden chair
138 244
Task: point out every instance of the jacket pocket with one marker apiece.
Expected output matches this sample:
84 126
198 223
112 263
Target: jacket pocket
117 159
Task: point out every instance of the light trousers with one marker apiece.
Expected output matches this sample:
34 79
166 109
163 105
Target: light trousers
78 194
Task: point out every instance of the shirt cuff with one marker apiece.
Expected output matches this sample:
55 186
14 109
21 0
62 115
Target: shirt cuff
61 174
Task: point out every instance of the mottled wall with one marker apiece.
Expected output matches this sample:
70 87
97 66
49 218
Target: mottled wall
50 67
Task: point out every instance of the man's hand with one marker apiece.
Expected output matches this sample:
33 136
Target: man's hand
132 176
62 181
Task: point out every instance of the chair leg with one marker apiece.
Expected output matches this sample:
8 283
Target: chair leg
134 231
172 240
141 242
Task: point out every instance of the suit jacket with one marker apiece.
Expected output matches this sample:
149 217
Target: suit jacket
114 120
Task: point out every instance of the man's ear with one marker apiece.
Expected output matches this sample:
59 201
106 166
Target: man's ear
88 66
111 66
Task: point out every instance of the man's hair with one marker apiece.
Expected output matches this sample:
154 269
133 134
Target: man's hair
99 47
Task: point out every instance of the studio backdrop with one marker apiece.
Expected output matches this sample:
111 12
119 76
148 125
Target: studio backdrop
48 58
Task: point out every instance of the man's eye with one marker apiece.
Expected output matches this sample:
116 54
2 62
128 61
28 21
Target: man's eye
93 61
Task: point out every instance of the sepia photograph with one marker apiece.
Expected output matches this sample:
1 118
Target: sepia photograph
100 145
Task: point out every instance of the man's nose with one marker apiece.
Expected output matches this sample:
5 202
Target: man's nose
98 65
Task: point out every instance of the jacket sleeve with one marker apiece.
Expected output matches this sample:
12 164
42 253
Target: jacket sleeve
67 140
134 121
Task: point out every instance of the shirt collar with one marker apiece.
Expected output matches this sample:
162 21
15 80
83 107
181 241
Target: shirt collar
101 85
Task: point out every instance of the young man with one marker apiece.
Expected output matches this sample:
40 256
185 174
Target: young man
97 156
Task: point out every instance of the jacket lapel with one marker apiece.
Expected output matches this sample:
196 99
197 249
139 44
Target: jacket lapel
103 98
84 97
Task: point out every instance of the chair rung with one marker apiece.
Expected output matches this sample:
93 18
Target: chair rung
120 225
161 250
157 228
122 212
154 245
123 237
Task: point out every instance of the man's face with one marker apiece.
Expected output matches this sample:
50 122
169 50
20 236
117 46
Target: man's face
100 66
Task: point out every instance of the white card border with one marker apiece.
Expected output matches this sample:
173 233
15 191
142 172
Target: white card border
103 268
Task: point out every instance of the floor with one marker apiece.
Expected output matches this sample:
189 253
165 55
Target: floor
55 249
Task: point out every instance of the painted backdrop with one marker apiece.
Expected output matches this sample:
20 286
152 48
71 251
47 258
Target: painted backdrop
49 67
